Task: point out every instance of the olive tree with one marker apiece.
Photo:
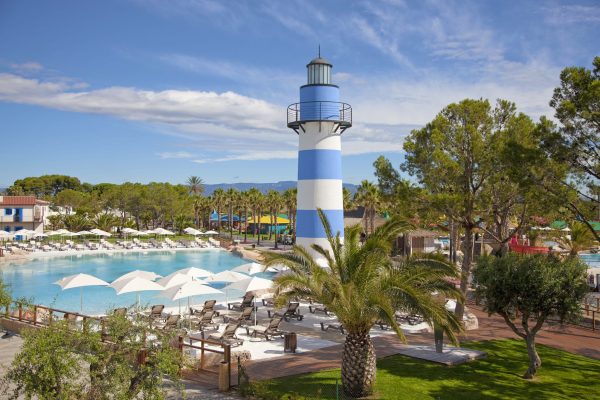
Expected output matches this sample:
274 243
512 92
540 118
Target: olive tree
526 290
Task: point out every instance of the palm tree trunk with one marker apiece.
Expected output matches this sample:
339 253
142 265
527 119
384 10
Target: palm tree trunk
276 234
245 222
271 225
358 365
219 220
465 271
255 220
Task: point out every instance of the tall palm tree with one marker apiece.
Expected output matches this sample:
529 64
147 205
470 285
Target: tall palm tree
231 198
363 285
368 196
244 204
219 200
275 203
348 199
105 221
195 186
257 200
290 198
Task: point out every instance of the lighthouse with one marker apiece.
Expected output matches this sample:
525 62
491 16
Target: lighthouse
319 119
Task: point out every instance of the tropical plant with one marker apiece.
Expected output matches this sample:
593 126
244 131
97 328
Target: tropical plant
105 222
275 203
348 199
290 199
76 222
182 221
578 239
232 200
219 200
257 200
195 186
55 222
5 295
536 287
369 197
362 285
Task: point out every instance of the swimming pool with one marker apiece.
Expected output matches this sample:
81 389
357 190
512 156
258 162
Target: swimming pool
593 260
35 279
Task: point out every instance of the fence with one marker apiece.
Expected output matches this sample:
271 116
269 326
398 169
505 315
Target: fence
224 349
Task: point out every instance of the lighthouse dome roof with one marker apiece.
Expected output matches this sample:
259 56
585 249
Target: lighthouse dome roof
320 60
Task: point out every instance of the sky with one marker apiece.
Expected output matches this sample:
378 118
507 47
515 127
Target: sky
156 90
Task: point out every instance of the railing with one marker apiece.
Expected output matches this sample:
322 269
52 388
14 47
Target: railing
224 370
333 111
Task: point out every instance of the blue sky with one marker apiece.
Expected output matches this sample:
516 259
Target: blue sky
114 91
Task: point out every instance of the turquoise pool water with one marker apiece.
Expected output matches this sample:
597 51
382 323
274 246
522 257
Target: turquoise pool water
34 279
593 260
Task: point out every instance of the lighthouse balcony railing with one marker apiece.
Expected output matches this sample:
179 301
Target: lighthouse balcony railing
311 111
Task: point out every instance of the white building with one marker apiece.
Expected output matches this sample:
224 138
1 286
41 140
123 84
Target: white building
23 212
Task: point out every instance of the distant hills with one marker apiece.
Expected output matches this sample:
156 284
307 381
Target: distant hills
263 187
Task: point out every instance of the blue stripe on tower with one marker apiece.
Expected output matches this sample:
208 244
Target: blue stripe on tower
319 164
309 224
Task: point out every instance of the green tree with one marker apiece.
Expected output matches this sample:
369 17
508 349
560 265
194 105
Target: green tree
55 222
361 286
231 200
452 158
290 200
536 287
257 199
105 222
195 186
275 203
577 105
76 222
579 238
219 201
348 199
369 197
61 363
182 221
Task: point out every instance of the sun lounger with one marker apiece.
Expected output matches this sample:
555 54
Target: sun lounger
269 330
411 319
156 311
292 311
313 308
171 322
268 302
228 336
335 327
247 301
383 325
206 321
243 318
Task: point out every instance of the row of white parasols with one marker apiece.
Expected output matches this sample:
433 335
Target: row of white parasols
100 232
183 283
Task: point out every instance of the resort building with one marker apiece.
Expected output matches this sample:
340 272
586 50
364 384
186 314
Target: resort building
23 212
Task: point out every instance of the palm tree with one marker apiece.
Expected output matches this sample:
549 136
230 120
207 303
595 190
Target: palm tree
580 238
290 198
363 285
195 186
181 222
275 202
244 204
348 200
76 222
219 199
105 222
231 198
257 201
368 196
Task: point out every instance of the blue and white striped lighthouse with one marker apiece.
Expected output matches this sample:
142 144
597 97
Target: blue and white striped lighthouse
319 119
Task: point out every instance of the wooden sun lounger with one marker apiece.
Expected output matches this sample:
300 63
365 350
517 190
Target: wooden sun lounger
335 327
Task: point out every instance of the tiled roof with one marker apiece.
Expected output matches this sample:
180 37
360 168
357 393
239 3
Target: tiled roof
20 201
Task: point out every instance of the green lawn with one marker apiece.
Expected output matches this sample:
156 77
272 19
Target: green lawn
562 376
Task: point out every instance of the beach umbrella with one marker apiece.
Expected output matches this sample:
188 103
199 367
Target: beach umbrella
226 276
162 231
100 232
40 235
174 279
5 235
192 231
194 272
188 289
79 281
134 284
61 232
250 268
70 234
250 285
211 233
138 273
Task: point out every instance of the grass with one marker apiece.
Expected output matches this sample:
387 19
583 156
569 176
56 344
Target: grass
562 376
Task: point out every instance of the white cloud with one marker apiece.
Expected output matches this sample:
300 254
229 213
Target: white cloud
29 66
175 154
572 14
